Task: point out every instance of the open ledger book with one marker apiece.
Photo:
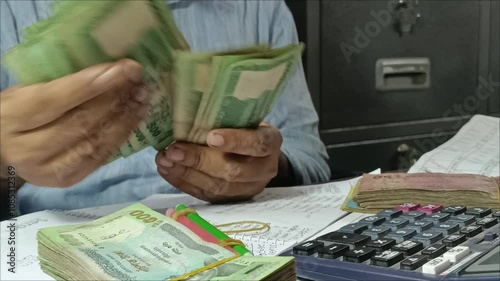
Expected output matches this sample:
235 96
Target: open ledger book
294 214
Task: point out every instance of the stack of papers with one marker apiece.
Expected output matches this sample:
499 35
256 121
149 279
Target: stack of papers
475 149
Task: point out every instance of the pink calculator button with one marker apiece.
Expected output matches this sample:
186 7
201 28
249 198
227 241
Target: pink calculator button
407 207
429 209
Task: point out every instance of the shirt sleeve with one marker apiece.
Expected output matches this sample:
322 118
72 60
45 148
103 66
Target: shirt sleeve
8 39
294 114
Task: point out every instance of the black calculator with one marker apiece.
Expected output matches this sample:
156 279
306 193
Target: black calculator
409 242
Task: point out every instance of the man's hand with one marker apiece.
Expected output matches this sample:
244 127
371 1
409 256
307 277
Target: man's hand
57 133
237 164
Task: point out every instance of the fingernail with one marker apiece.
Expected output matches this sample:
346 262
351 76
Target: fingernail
215 140
176 154
140 94
106 80
133 70
165 162
163 171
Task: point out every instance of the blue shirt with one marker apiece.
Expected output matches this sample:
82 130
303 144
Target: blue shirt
206 25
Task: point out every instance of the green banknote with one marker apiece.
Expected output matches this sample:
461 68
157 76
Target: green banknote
195 79
135 243
106 31
243 90
228 89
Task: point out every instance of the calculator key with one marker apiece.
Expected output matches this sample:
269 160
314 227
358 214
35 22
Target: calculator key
390 213
454 210
487 222
496 214
333 251
457 254
413 216
359 255
439 217
471 230
381 244
353 228
413 262
420 226
490 236
436 266
463 220
396 223
478 212
429 220
350 239
307 248
377 232
402 234
408 247
434 250
428 237
373 220
407 207
430 209
387 258
446 227
454 240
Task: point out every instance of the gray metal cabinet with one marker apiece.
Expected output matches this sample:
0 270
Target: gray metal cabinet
414 103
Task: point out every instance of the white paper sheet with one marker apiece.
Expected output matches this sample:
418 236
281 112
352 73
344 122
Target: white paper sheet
294 214
475 149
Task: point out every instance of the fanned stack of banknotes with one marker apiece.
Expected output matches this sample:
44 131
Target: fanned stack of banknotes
192 92
137 243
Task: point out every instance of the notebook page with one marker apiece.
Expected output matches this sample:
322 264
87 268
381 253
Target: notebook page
475 149
293 213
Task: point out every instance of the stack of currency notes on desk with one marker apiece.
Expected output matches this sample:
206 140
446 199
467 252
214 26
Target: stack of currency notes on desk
137 243
192 93
374 193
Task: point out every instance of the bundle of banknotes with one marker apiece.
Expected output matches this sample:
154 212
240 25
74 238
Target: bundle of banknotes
137 243
192 92
373 193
